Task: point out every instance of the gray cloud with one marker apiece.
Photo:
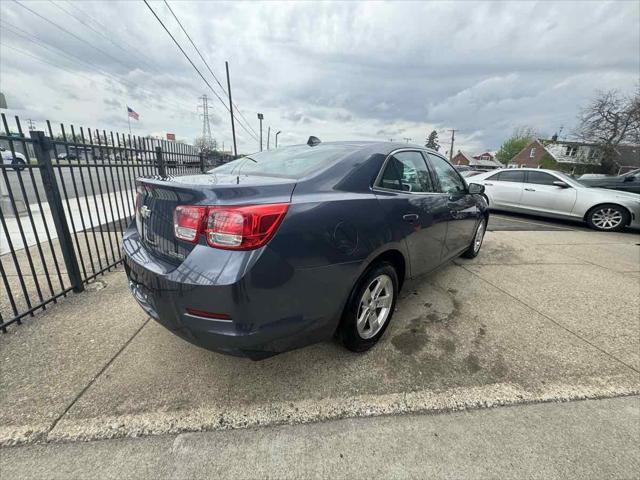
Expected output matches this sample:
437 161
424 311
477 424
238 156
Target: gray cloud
335 70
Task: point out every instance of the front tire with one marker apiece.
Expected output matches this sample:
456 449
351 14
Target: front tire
370 308
608 217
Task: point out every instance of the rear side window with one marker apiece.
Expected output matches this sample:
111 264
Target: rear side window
407 172
289 162
516 176
450 180
540 178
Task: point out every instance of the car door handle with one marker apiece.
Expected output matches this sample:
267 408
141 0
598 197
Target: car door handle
489 184
411 217
529 190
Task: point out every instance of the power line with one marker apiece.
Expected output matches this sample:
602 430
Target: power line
95 30
206 64
23 52
191 61
80 39
35 39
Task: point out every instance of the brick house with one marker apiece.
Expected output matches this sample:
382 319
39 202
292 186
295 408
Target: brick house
531 156
482 161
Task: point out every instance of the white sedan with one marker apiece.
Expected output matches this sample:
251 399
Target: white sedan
18 161
553 194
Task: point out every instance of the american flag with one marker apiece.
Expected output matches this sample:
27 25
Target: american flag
132 113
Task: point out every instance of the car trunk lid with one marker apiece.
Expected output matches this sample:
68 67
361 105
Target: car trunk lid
158 198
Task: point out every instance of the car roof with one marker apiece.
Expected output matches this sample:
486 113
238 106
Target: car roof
384 146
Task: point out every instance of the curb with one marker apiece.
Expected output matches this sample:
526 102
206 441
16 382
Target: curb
312 410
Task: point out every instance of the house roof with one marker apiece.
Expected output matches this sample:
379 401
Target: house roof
468 157
486 163
475 161
627 155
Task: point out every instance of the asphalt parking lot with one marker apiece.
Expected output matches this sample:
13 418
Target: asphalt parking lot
540 315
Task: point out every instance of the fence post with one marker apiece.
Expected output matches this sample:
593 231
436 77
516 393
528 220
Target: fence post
162 171
41 147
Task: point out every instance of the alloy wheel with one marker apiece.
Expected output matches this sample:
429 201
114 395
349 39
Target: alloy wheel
477 241
375 306
607 218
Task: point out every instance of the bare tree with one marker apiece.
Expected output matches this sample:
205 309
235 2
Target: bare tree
609 120
206 145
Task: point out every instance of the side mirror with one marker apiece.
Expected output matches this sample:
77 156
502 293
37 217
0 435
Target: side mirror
561 184
629 178
476 188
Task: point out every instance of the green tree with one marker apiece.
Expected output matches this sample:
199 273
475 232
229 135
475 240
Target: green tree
520 138
432 141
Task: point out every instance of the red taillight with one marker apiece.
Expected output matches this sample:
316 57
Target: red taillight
187 222
232 228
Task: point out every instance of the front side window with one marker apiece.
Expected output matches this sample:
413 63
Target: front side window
450 181
407 172
541 178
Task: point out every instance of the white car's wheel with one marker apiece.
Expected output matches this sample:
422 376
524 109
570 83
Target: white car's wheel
608 217
18 164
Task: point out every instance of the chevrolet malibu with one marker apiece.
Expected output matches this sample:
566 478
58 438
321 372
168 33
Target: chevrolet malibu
288 247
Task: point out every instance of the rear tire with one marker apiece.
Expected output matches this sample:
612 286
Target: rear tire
370 308
18 165
476 243
608 217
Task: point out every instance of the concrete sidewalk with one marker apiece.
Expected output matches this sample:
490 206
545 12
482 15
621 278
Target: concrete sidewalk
590 439
538 316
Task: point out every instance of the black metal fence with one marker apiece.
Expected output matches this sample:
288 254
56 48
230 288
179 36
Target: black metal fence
66 197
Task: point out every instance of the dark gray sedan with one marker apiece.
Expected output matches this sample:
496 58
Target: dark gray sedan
628 182
292 246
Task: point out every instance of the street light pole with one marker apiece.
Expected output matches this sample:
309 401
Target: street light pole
277 133
260 117
268 136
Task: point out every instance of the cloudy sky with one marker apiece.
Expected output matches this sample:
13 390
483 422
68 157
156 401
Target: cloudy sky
334 70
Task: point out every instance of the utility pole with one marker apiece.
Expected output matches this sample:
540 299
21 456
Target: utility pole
268 136
32 126
260 117
277 133
453 138
233 125
206 127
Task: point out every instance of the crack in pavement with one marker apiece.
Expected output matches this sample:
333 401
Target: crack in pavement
93 380
557 323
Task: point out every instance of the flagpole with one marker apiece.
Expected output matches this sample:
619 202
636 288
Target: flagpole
129 120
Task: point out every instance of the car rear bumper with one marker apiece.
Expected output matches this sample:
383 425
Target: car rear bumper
272 307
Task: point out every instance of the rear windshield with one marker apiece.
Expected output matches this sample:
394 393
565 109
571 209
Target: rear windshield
292 162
